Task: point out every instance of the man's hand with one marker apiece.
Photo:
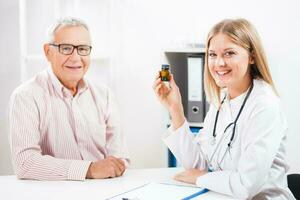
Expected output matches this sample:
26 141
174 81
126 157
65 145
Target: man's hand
106 168
189 176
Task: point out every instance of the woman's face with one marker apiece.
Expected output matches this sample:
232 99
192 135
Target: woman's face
229 64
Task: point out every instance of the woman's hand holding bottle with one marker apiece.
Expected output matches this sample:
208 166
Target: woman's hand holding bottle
170 97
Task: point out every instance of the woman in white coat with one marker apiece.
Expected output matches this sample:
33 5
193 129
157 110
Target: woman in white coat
241 149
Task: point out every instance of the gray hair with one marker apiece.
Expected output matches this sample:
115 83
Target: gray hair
64 22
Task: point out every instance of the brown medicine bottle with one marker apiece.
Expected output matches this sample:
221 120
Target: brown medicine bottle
165 72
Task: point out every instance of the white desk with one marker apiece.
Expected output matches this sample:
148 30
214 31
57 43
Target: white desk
13 189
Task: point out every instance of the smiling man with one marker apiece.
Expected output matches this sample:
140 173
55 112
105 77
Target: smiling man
62 127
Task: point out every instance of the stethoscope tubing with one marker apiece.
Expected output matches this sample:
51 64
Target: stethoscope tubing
229 125
236 119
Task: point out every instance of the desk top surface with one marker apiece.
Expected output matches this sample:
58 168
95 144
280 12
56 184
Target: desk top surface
12 188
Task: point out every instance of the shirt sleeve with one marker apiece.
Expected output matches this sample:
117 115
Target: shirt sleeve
181 143
27 158
115 141
261 142
186 146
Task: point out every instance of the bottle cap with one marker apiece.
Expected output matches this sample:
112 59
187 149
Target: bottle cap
165 67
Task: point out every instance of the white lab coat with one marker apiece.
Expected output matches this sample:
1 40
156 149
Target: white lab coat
256 167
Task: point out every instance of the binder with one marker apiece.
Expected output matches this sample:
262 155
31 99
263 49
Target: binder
196 100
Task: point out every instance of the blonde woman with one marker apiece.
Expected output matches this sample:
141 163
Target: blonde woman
241 149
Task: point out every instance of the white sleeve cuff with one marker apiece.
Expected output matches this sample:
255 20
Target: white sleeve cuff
171 132
78 170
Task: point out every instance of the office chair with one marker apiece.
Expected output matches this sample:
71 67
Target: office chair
294 184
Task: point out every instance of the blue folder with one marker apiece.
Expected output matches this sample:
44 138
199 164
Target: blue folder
202 191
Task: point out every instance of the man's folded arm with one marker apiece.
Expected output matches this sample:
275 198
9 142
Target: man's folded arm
28 161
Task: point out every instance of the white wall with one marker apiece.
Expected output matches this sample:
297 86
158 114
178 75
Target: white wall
139 32
9 73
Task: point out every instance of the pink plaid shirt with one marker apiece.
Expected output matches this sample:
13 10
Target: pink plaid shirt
55 136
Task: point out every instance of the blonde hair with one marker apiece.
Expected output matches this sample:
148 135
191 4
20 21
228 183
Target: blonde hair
242 33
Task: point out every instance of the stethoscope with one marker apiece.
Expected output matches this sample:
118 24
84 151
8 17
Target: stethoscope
213 140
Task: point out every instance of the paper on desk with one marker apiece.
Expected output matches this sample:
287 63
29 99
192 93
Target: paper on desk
153 191
178 183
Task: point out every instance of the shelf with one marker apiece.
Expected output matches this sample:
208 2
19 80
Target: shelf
191 124
196 124
185 50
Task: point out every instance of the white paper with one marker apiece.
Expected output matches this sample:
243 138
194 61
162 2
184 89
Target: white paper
153 191
178 183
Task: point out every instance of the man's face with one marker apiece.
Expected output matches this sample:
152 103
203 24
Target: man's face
69 69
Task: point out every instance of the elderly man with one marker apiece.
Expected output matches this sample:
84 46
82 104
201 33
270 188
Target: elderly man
62 127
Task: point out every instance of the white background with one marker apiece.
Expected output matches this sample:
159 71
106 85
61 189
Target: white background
136 34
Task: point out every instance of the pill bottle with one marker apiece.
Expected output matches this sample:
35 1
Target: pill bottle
165 72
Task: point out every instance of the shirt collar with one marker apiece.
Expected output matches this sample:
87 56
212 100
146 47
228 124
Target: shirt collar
61 89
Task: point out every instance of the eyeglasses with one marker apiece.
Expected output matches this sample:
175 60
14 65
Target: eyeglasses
68 49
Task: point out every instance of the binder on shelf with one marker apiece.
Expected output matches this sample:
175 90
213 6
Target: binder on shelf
196 100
